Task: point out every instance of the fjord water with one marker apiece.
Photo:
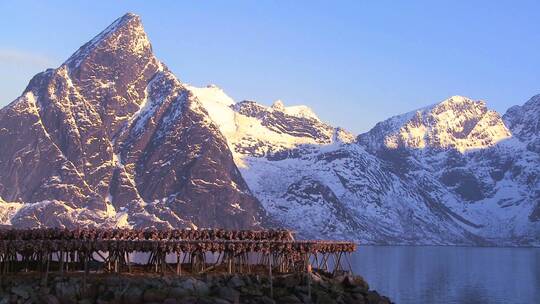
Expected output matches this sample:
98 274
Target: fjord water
425 274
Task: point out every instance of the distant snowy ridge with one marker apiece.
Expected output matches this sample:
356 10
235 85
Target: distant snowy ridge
455 123
254 129
319 186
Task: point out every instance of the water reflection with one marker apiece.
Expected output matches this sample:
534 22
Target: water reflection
451 274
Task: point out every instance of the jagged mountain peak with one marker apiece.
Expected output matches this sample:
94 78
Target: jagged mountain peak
460 105
300 111
524 120
457 123
110 72
278 105
125 33
459 99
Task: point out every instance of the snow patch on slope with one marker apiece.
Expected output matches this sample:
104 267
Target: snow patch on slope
7 211
298 111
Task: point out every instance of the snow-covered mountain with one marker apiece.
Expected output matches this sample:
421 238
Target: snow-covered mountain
314 178
465 150
112 137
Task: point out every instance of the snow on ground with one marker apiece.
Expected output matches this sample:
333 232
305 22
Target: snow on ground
7 211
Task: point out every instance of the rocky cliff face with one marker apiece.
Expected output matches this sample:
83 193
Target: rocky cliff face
524 121
112 137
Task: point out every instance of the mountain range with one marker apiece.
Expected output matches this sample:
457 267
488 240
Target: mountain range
113 138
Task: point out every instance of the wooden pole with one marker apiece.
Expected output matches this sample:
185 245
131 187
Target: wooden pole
49 256
349 262
178 267
229 260
61 257
270 274
128 261
85 272
308 273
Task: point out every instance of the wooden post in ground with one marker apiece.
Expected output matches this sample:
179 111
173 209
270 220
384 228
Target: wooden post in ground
85 272
45 277
128 260
178 266
349 262
162 262
337 266
270 275
61 257
308 273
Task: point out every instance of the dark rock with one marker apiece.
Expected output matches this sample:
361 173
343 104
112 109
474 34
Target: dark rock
228 294
201 288
133 295
352 299
304 297
290 281
236 282
212 289
50 299
105 294
188 300
251 290
359 297
155 295
265 300
67 292
464 182
180 292
301 289
322 297
22 291
289 299
373 297
355 281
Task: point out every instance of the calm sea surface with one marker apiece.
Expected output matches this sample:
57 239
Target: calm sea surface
451 274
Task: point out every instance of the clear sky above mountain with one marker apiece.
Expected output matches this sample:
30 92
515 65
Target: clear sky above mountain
354 63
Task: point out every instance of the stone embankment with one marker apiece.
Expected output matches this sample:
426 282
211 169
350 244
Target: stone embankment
207 289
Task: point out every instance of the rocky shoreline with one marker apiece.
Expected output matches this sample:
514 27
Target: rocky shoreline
210 288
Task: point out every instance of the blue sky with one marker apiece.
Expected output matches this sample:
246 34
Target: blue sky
354 62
